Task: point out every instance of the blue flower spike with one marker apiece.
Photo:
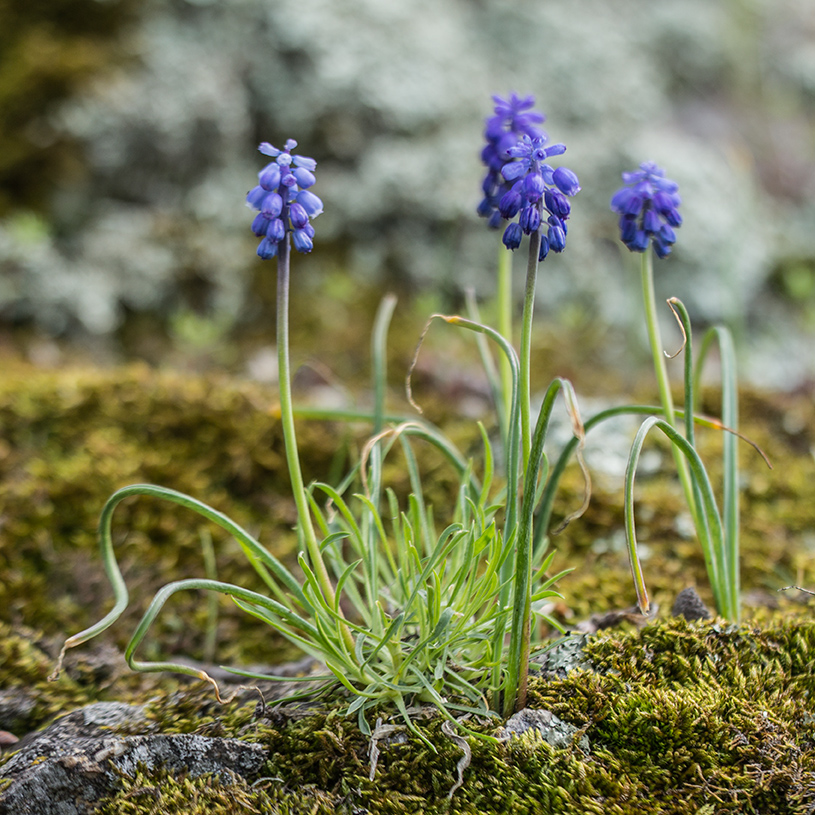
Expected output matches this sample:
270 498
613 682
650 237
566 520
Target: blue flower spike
513 118
648 207
284 201
520 181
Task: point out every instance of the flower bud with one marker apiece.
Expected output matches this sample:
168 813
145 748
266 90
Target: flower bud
557 238
272 205
530 220
310 203
304 177
260 224
276 230
269 176
566 181
302 242
557 203
512 236
267 249
298 215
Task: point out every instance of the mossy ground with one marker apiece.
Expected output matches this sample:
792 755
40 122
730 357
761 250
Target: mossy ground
679 717
68 439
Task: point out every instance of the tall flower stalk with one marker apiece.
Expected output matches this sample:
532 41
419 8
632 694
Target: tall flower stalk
521 184
648 206
648 209
285 207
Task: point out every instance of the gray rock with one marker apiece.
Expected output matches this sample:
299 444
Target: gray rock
16 706
553 730
76 761
564 657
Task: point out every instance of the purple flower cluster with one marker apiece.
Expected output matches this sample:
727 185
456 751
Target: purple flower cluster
519 180
513 119
648 209
284 201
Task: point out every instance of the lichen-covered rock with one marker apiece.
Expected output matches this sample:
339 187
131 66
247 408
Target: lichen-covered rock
78 760
553 730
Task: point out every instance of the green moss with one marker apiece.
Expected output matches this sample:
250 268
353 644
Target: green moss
196 710
70 439
678 716
163 792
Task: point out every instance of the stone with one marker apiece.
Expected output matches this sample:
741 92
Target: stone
689 604
553 731
68 767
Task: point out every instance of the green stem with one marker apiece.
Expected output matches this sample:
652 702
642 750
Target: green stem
526 343
520 629
652 324
663 383
290 439
380 380
504 305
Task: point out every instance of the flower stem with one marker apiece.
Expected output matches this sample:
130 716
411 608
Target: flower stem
526 344
663 383
504 305
290 439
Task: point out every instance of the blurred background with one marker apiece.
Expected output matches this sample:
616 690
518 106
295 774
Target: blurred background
128 135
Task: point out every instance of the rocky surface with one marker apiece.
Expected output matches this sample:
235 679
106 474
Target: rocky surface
552 730
79 759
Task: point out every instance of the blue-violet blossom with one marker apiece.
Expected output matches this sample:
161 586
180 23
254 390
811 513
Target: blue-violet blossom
648 209
284 201
538 191
519 180
513 118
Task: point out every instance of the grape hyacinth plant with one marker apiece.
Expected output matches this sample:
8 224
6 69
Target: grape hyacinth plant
521 183
396 611
648 209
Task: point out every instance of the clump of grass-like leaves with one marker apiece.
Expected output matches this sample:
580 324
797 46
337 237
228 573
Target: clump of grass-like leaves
397 611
